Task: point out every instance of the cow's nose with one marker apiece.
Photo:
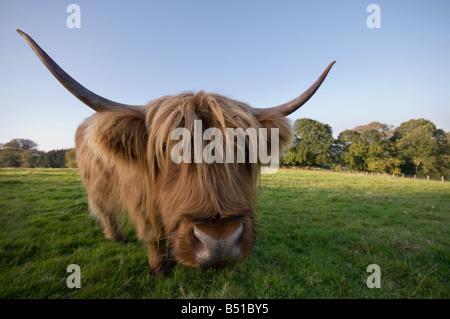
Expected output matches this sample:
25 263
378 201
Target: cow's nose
213 250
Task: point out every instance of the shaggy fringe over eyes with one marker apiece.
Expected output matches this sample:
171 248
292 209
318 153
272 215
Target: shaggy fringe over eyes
207 189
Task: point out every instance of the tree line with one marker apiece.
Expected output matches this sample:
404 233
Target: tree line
415 147
24 153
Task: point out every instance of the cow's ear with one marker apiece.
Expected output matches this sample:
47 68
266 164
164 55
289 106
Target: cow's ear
120 135
272 120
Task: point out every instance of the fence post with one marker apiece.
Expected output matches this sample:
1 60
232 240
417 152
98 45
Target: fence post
414 176
428 177
442 178
393 175
403 175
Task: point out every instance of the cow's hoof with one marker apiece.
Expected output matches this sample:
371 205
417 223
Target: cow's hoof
164 268
118 237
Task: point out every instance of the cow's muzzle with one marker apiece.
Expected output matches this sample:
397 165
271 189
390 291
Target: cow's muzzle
210 250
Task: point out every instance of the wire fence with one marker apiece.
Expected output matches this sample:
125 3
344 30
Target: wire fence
365 173
402 176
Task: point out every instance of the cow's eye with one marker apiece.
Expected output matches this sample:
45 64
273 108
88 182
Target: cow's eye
164 147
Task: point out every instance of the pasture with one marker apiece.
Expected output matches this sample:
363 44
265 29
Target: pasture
317 233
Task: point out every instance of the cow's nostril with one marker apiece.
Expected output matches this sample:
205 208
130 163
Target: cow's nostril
197 243
210 250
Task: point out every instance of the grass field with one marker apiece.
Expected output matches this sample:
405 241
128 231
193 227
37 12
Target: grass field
317 233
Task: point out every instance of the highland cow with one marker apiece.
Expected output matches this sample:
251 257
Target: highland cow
194 213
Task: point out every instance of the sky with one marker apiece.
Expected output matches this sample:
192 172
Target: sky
263 53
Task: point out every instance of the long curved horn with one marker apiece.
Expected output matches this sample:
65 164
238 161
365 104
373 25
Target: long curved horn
94 101
295 104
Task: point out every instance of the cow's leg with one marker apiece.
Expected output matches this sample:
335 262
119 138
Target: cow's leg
158 258
112 229
158 255
110 223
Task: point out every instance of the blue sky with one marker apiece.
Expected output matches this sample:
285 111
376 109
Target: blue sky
261 52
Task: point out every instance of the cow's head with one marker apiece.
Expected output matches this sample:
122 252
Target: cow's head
206 210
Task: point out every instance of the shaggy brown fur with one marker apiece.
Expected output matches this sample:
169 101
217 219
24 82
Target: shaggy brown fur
125 164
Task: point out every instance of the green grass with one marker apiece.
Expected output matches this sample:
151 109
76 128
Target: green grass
317 233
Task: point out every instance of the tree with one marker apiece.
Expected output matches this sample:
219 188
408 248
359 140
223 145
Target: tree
445 156
368 148
29 158
71 161
342 146
52 159
11 154
24 153
423 147
384 130
312 144
379 155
